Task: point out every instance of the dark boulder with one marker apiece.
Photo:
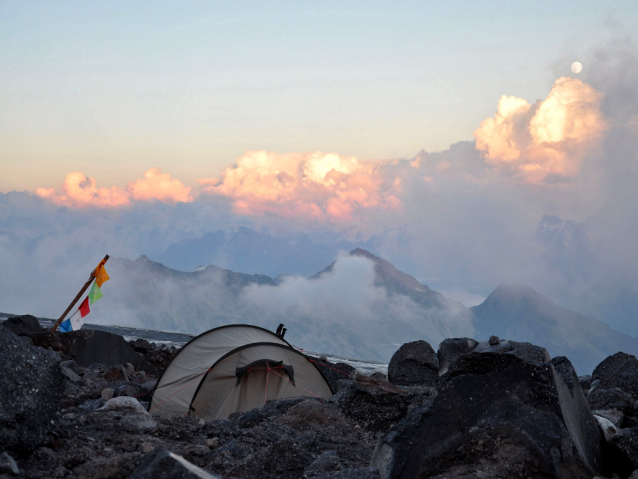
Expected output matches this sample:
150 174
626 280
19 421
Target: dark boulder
31 387
585 383
450 350
414 363
333 372
163 464
23 325
89 346
624 449
611 399
618 371
377 405
503 417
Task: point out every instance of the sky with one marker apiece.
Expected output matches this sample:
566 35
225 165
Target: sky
113 89
454 135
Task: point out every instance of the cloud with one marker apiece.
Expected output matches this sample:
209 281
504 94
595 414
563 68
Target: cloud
318 186
550 137
81 192
159 186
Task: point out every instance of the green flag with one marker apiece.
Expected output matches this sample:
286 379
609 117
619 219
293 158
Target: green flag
95 293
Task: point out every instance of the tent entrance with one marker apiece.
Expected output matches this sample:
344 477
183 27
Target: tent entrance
267 365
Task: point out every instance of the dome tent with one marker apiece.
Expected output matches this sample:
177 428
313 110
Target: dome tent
234 368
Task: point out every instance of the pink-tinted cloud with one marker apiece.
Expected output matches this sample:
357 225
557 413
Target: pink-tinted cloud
547 138
159 186
319 186
79 191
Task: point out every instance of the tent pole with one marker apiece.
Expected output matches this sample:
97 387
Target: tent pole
77 297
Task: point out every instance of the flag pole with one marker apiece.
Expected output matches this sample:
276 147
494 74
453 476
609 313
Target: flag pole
79 295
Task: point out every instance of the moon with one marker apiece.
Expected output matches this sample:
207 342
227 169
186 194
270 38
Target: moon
577 67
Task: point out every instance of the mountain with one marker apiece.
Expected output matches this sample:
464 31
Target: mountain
520 313
360 306
252 252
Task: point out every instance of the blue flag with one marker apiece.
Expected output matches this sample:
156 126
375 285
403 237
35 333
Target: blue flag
65 326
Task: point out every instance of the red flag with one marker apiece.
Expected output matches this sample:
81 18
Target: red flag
84 307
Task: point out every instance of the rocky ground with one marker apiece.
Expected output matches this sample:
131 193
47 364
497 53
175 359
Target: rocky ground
74 405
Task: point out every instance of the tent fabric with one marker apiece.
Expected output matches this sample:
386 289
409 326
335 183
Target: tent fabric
204 374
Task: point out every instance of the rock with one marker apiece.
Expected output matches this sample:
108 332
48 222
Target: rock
625 443
285 459
23 325
212 442
503 417
376 405
137 423
494 340
91 405
612 415
379 376
30 391
351 473
633 475
585 382
414 363
163 464
130 369
607 427
125 405
611 399
618 371
88 346
311 411
8 465
115 374
141 345
69 374
107 393
334 372
450 350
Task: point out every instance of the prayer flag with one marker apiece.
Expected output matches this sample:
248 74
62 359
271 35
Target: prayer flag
84 307
95 293
76 321
101 275
65 326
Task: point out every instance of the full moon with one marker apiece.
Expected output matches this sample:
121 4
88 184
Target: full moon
577 67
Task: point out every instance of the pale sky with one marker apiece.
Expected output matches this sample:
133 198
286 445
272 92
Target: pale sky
112 89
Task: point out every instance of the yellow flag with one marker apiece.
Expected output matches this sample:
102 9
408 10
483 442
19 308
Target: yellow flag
101 275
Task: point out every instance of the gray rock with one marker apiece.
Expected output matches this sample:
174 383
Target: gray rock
600 398
107 393
377 405
69 374
503 417
23 325
91 405
125 405
137 423
452 350
494 340
414 363
30 391
334 372
163 464
8 465
616 417
626 448
585 382
351 473
618 371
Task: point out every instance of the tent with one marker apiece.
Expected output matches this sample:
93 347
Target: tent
234 368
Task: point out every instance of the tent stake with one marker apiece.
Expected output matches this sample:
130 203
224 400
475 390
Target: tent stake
75 300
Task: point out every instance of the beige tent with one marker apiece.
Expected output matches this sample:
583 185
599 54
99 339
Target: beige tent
234 368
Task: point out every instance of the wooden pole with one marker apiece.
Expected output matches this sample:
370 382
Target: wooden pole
77 297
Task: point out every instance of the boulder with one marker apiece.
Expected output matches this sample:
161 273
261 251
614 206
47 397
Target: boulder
23 325
618 371
585 382
30 391
611 399
163 464
377 405
450 350
612 415
503 417
625 446
89 346
125 405
8 465
334 372
414 363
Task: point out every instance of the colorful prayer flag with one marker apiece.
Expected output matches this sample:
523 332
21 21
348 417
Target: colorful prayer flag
95 293
101 275
65 326
76 321
84 307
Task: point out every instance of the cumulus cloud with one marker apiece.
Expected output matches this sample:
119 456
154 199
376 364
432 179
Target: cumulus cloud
320 186
548 138
80 191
